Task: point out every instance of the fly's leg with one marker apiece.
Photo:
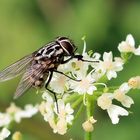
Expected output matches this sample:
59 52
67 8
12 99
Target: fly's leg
46 86
66 75
55 98
65 61
49 79
78 57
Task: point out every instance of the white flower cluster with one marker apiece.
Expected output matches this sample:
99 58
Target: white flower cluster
14 113
91 78
60 119
81 79
87 72
114 111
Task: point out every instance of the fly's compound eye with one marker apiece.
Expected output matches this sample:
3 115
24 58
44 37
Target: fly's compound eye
68 48
67 45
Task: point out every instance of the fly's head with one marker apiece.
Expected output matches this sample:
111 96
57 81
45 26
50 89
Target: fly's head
67 45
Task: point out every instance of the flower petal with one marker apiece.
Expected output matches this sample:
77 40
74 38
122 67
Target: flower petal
111 74
68 109
125 87
4 133
130 40
105 100
91 89
137 51
5 119
107 56
127 102
115 111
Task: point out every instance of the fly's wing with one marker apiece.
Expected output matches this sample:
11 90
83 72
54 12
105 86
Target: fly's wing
23 86
26 83
15 69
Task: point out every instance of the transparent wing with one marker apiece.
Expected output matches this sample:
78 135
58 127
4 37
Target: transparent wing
15 69
25 82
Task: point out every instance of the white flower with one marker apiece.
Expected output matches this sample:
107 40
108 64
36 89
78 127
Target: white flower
61 126
28 112
17 113
12 109
137 51
128 46
65 111
97 75
115 111
108 66
59 83
120 95
46 96
77 66
5 119
88 125
59 121
105 100
65 117
86 85
4 133
46 108
96 56
134 82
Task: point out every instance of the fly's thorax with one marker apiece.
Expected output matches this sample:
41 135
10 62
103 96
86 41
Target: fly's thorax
49 51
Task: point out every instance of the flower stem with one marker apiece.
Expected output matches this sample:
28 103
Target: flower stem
72 98
77 102
78 113
88 135
89 113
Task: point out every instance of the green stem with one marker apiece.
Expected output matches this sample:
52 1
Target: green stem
88 136
79 111
89 113
72 97
77 102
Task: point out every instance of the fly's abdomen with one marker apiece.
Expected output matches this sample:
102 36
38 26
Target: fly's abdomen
38 75
38 81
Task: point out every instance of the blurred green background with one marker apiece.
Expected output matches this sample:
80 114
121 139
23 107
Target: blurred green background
28 24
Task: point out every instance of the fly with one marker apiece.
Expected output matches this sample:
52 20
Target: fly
40 65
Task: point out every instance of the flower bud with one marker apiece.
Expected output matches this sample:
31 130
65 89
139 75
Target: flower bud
88 125
134 82
17 136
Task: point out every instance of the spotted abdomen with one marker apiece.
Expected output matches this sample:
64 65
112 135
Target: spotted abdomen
38 74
